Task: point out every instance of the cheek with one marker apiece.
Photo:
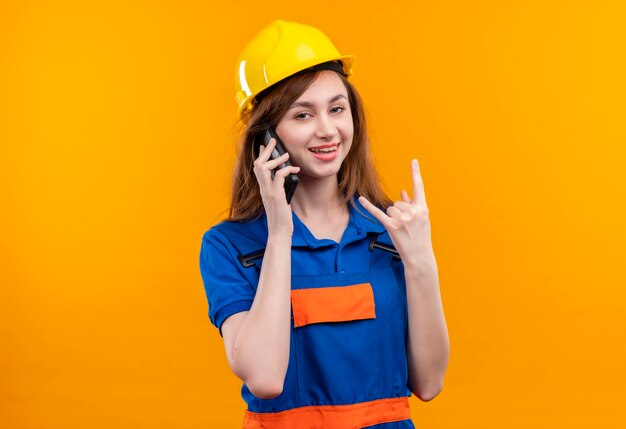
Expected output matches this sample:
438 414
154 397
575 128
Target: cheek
293 138
285 139
291 142
347 123
349 133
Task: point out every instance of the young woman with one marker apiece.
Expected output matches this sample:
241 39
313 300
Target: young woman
329 306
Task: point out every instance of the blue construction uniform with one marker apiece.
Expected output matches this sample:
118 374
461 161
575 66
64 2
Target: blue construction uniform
334 362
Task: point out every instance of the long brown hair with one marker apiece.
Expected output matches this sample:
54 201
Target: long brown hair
357 174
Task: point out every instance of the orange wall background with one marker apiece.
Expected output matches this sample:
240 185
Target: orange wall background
117 142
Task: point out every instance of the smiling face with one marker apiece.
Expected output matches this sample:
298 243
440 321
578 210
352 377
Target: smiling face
317 129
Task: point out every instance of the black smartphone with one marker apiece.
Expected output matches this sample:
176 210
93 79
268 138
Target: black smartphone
291 181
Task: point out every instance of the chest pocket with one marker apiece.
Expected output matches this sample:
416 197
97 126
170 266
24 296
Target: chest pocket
334 332
333 304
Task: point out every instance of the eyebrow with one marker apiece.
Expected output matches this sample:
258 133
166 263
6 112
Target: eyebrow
309 104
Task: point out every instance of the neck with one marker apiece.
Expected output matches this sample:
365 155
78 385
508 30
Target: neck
318 199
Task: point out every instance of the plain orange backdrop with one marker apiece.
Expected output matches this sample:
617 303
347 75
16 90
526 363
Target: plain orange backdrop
117 131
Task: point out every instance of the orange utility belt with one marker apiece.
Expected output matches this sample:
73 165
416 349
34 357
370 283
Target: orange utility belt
350 416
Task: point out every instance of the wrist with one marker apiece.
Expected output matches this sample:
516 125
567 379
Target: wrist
280 237
421 266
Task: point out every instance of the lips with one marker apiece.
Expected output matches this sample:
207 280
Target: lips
326 152
325 148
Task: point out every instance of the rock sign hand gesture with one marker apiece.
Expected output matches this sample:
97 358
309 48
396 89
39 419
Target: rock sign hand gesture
408 224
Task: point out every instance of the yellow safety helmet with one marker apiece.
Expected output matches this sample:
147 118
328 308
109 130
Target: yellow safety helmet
278 51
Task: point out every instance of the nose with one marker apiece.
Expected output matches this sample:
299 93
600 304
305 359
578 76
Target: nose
325 128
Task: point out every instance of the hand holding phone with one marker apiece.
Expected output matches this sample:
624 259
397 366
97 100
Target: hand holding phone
291 180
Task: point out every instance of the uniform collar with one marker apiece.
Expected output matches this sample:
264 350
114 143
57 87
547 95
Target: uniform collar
361 223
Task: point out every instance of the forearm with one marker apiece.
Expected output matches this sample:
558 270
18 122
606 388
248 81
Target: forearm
261 349
428 344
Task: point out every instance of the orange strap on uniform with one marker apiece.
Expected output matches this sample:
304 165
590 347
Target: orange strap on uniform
350 416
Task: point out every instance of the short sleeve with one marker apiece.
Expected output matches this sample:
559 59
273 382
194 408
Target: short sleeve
228 291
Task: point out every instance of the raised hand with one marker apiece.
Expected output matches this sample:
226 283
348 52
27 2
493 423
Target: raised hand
408 224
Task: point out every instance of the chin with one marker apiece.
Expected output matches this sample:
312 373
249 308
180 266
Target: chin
320 172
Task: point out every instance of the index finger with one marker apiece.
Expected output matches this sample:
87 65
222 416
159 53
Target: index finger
266 151
375 211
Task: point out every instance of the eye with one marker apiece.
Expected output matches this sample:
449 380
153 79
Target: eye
302 115
337 109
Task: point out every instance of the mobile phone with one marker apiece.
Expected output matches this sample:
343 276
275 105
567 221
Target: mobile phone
291 181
